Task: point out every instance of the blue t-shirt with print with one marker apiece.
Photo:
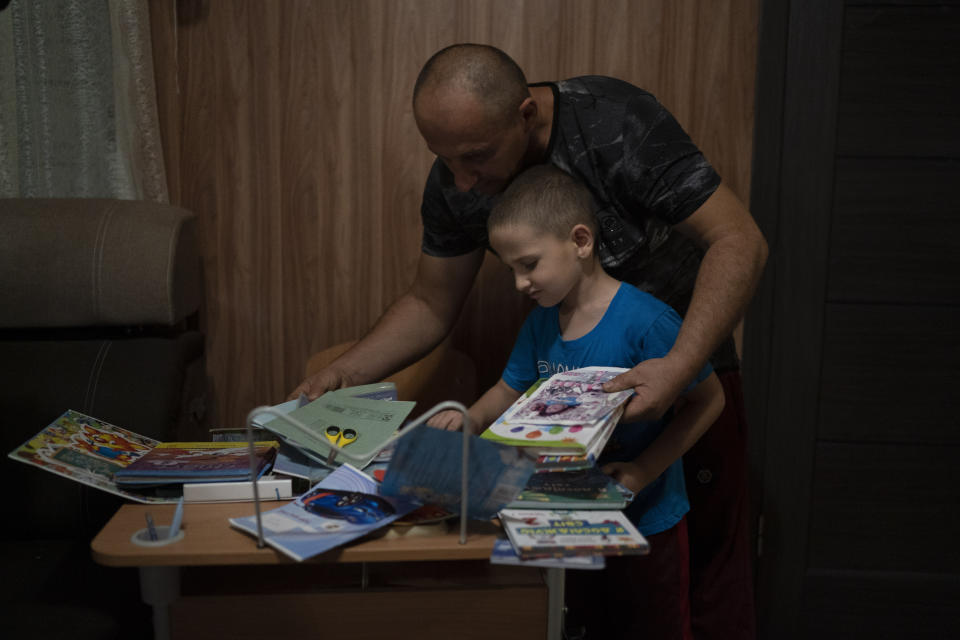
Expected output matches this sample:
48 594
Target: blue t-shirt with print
635 327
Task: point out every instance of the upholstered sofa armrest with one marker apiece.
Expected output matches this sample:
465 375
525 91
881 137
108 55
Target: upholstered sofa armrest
92 262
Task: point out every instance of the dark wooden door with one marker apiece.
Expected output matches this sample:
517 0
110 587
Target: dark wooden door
852 346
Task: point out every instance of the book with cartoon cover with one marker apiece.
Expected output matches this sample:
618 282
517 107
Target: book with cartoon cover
89 451
582 440
573 398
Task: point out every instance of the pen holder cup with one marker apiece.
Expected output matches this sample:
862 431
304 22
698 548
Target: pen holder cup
142 537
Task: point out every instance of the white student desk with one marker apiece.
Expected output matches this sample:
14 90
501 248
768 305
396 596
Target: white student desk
405 582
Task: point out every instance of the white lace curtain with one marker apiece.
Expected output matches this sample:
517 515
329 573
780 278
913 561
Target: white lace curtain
78 107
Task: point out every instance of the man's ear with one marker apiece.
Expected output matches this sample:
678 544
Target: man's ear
582 236
528 112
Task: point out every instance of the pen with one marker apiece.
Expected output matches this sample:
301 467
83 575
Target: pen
151 529
177 518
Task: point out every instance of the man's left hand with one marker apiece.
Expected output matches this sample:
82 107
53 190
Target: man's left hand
656 383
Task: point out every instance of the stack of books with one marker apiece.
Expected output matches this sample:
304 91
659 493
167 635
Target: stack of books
569 508
565 420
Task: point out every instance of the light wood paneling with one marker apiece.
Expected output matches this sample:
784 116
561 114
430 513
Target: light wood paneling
288 129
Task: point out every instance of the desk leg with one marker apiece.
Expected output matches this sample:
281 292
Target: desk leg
159 588
555 606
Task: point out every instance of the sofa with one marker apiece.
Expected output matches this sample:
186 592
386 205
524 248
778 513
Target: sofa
99 308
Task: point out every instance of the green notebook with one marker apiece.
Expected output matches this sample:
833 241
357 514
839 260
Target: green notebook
374 422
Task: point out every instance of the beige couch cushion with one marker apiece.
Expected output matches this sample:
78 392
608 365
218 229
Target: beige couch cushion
91 262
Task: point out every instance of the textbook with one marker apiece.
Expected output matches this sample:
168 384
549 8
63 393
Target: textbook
582 489
192 462
342 507
371 422
536 533
89 451
555 441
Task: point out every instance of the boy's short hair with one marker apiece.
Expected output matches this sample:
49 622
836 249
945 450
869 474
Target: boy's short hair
547 199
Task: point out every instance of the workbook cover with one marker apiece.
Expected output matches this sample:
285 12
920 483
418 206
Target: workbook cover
555 441
538 533
361 426
89 451
342 507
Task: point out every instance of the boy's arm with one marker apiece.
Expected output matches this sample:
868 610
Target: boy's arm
696 411
482 413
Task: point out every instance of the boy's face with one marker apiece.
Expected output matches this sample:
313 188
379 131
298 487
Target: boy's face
545 267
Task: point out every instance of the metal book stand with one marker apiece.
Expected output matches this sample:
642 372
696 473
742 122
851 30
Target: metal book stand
336 451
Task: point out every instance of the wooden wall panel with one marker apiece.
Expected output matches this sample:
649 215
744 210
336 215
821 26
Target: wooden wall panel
288 129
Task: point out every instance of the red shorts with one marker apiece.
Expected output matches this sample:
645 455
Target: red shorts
635 596
721 564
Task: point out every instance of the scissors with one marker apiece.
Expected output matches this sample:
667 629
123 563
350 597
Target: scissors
339 437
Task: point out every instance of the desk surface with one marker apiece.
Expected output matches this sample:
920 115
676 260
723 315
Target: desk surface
210 540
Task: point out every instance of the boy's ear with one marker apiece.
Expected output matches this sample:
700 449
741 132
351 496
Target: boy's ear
583 238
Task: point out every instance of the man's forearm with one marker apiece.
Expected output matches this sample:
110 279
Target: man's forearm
725 283
728 276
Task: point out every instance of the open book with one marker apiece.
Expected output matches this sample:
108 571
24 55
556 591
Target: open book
344 506
89 451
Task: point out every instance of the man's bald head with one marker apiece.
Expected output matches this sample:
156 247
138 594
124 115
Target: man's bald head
485 72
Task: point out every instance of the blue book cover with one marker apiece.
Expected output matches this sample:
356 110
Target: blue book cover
342 507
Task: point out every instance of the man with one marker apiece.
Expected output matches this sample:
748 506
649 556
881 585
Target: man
668 225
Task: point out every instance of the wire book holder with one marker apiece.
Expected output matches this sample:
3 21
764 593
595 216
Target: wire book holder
336 451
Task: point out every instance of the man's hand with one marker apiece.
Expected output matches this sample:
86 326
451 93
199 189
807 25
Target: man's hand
629 474
327 379
656 382
447 420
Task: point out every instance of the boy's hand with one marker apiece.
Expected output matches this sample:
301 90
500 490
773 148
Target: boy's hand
629 474
656 383
447 420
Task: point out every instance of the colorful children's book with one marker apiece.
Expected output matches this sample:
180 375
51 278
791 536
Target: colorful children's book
584 440
344 506
88 450
583 489
538 533
573 398
180 462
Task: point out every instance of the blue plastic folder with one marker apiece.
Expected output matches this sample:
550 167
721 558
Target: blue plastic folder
426 466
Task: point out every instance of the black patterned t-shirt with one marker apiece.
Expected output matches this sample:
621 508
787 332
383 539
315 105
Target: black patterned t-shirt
644 172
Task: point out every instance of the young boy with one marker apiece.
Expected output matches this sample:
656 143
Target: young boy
544 229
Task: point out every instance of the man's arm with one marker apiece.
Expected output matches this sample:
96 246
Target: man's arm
696 411
413 325
731 267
